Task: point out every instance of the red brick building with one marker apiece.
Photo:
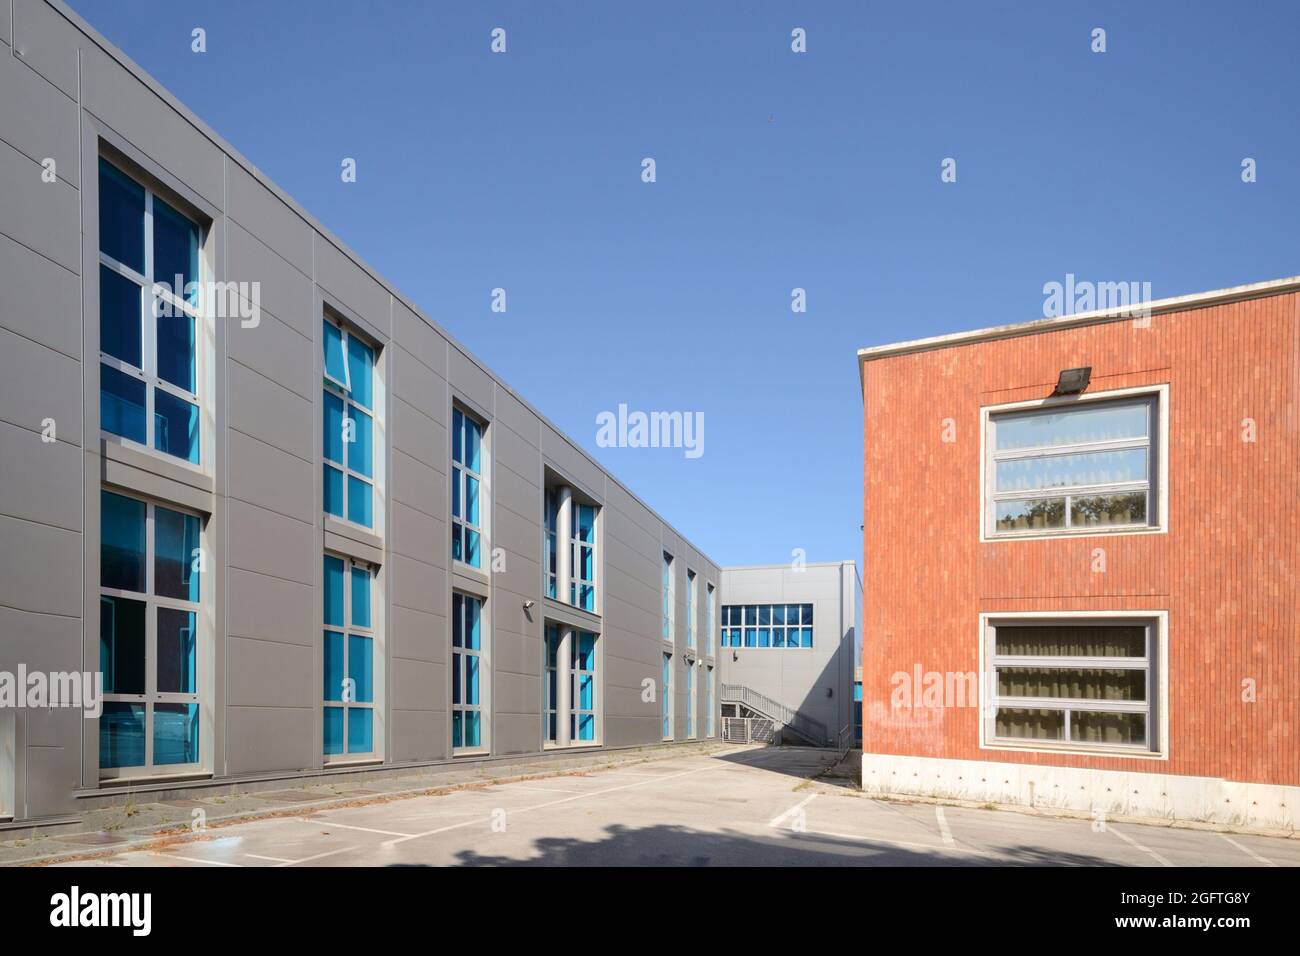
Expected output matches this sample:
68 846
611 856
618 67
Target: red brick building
1088 599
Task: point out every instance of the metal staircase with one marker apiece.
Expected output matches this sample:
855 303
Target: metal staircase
809 728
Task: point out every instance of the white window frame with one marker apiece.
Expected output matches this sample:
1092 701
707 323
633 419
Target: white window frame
710 689
669 587
576 582
484 553
690 698
666 708
785 627
151 696
575 711
691 594
484 745
711 633
345 629
148 373
550 545
1157 483
1156 665
343 391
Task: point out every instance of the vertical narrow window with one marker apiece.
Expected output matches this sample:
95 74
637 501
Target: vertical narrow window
466 489
550 703
149 318
549 553
149 611
668 597
690 699
349 655
348 426
690 608
709 706
582 687
466 672
666 695
711 612
582 590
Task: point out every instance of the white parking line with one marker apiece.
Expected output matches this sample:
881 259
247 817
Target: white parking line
269 859
943 827
1248 851
190 859
519 786
776 821
899 843
318 856
1132 842
324 822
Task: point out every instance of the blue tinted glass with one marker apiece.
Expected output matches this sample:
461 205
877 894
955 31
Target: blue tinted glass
471 679
119 317
586 692
359 504
473 611
806 637
455 493
778 614
764 637
765 614
778 637
457 620
361 666
360 730
471 499
361 360
333 730
175 733
332 686
455 677
586 727
471 549
807 613
176 350
333 591
472 736
121 542
360 453
333 491
121 217
792 614
360 597
456 731
332 427
473 438
176 543
121 404
335 366
457 433
121 645
176 651
175 426
751 614
857 692
121 735
587 598
175 249
750 637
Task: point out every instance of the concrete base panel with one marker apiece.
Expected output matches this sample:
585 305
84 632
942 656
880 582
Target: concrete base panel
1112 793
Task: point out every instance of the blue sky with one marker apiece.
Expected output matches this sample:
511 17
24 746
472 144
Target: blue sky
775 170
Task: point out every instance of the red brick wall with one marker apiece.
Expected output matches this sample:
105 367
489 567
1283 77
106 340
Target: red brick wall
1226 571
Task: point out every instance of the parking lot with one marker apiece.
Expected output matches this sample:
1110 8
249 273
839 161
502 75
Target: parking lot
746 807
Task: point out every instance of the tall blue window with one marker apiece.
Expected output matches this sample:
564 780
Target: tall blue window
550 570
349 426
709 698
150 591
149 318
582 589
666 696
582 692
551 684
767 625
466 489
349 658
712 615
467 731
690 699
690 608
668 597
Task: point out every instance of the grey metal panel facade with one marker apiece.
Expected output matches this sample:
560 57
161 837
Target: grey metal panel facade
800 678
259 489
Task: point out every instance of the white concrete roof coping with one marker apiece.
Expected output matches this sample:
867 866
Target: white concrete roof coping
1177 303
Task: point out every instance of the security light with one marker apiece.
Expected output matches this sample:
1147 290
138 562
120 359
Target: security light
1072 381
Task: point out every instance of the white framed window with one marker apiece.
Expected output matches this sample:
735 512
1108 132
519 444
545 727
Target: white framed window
690 609
669 596
690 699
1073 682
150 637
709 691
582 556
467 491
468 730
767 625
712 615
349 428
666 696
349 660
150 319
582 687
1085 466
550 553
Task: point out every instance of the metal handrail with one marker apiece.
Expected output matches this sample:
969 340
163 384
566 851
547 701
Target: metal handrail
804 725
